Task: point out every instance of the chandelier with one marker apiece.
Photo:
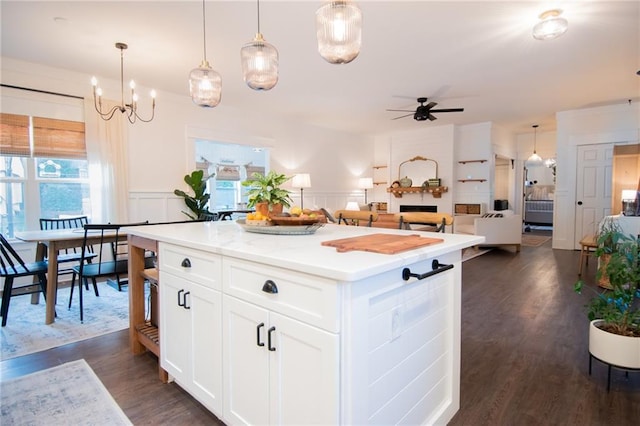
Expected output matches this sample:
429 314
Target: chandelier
130 109
551 25
259 62
205 84
339 31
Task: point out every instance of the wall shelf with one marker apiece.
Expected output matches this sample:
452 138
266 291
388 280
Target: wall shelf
471 180
380 183
436 191
379 167
471 161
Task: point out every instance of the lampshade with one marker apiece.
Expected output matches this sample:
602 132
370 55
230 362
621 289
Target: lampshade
365 183
339 31
629 194
205 85
352 205
551 25
259 64
301 180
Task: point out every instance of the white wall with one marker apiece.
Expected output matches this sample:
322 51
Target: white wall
160 152
602 125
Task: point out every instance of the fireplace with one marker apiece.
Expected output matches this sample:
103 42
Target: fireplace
409 208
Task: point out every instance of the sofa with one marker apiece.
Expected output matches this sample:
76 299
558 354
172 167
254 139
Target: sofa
500 228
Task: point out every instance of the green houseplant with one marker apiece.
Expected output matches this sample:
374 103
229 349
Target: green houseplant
197 202
266 190
614 312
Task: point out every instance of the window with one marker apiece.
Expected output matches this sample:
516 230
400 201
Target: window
43 171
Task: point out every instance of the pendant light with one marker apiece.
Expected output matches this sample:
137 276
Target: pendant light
551 25
339 31
534 160
259 62
205 84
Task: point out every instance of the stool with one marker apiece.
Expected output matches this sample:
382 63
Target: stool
588 245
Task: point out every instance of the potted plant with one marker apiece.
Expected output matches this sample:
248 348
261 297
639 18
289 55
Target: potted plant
265 193
197 202
614 331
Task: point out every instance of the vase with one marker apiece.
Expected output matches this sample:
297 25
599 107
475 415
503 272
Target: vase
267 209
614 349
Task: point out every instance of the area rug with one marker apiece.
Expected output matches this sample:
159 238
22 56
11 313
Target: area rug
69 394
534 240
26 331
471 252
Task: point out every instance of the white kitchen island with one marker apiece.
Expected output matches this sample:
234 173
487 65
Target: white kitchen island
279 329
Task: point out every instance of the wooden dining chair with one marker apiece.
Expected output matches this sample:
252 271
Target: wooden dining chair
435 222
68 255
356 217
12 266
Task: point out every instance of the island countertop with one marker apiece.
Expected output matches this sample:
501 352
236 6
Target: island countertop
302 252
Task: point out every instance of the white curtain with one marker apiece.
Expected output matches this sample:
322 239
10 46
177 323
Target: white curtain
107 155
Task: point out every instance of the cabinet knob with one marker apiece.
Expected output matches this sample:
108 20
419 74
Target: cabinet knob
270 287
186 263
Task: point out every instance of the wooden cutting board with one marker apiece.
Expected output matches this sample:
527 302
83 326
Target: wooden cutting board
382 243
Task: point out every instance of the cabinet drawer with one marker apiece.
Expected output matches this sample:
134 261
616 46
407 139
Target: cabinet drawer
205 268
310 299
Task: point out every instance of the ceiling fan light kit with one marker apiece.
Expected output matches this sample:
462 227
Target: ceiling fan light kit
339 31
205 84
551 25
130 109
424 112
259 61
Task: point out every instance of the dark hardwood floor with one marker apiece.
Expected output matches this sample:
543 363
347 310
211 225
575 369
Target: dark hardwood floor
524 354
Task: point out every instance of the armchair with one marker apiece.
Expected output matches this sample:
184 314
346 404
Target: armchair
498 231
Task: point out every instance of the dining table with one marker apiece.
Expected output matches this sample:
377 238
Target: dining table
49 242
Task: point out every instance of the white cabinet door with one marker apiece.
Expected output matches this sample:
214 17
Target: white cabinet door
304 373
191 338
205 305
277 370
175 321
246 361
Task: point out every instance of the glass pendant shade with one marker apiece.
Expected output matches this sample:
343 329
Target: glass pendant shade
339 31
259 64
205 85
551 25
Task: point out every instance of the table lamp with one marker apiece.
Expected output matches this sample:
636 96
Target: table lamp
301 180
365 183
352 205
629 202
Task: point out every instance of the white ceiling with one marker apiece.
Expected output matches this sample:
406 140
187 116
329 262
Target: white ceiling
477 55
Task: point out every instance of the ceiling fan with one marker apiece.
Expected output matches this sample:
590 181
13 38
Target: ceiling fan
423 111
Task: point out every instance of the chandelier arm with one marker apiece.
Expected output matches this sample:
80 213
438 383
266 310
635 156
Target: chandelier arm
153 113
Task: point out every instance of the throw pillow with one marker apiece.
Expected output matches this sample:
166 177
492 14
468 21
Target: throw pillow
492 215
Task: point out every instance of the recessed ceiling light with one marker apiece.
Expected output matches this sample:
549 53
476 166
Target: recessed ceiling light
551 25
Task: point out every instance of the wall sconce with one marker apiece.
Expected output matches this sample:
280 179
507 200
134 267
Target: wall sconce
629 203
365 183
301 180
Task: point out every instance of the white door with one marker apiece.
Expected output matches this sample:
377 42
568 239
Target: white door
175 323
593 188
205 305
304 373
246 363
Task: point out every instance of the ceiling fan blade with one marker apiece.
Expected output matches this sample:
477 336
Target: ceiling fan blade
448 110
401 110
402 116
431 105
431 117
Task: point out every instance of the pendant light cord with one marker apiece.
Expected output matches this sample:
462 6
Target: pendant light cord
204 32
258 8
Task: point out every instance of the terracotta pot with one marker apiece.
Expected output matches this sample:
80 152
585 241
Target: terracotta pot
622 351
267 209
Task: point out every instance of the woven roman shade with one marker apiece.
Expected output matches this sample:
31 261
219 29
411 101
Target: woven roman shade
15 135
58 138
